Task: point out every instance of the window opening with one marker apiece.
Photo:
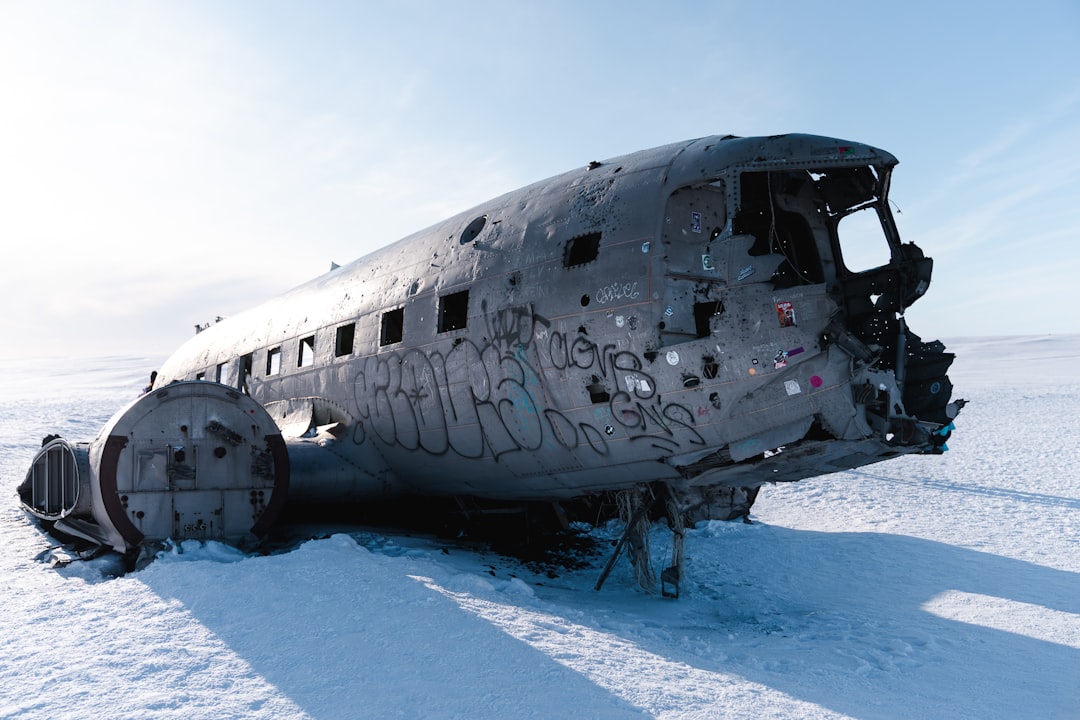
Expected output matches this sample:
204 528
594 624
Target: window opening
780 231
863 245
343 343
582 249
306 356
453 311
393 327
273 361
247 368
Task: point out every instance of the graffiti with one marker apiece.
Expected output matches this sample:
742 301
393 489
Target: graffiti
645 420
487 398
471 401
617 291
608 362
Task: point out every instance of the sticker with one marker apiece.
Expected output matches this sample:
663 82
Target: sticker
753 371
609 430
645 246
780 361
695 222
706 262
816 381
668 311
619 321
672 357
632 322
795 351
792 387
785 313
746 272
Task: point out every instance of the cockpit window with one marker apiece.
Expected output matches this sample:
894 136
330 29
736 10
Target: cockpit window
774 210
848 187
862 241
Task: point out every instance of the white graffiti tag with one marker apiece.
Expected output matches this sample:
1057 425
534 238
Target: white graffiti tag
617 291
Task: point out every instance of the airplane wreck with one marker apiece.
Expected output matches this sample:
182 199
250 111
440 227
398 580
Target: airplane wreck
659 334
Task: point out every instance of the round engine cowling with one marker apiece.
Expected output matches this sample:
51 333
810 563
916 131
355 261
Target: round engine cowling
191 460
58 482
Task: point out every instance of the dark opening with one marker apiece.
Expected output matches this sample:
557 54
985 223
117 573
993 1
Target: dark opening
581 250
473 229
597 392
273 361
703 311
453 311
306 354
393 327
343 343
247 368
778 231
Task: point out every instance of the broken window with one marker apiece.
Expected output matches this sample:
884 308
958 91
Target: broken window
273 361
775 209
582 249
247 367
453 311
393 327
343 343
862 241
306 356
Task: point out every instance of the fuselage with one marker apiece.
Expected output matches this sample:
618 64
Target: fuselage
700 314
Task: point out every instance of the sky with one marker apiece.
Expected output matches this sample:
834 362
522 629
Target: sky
164 163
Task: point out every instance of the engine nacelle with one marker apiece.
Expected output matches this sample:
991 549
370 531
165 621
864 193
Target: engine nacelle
191 460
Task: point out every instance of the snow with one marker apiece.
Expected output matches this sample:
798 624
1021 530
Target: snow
923 587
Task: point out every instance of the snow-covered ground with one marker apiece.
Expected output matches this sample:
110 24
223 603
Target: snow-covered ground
923 587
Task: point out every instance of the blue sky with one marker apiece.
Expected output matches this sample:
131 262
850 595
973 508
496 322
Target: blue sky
162 163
